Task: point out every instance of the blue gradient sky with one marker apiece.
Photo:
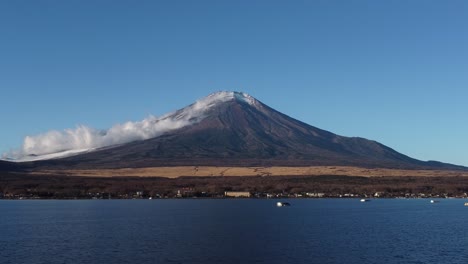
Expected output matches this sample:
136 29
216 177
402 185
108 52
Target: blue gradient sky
391 71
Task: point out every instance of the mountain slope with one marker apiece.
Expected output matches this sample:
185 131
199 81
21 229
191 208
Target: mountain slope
237 130
6 166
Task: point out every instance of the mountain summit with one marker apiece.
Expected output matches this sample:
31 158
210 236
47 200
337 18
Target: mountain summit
235 129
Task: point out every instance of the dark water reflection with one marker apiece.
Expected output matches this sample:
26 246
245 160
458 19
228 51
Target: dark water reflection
233 231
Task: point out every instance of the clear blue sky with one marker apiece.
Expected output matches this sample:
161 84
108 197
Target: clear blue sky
391 71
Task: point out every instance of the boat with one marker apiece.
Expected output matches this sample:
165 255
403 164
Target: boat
466 204
281 204
434 201
364 200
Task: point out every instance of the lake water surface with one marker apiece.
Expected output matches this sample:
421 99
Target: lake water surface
233 231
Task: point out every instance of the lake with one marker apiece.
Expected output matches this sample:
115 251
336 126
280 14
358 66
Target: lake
233 231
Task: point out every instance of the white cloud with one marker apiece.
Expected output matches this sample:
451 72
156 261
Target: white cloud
84 138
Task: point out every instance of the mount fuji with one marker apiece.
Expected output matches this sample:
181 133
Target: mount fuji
222 129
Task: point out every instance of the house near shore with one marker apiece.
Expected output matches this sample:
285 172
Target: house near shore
237 194
314 194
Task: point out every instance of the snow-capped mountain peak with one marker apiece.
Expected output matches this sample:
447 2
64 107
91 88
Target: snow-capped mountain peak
224 96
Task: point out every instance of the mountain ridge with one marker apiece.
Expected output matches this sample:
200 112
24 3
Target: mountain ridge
235 129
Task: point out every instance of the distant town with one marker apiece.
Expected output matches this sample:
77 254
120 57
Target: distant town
187 194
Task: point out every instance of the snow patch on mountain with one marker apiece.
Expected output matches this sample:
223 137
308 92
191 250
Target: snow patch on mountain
58 144
224 96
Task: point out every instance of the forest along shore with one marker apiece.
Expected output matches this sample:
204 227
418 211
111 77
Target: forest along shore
41 186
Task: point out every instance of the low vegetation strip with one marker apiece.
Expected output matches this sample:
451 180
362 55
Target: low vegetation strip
27 186
204 171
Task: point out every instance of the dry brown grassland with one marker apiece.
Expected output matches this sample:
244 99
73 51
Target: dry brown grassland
203 171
